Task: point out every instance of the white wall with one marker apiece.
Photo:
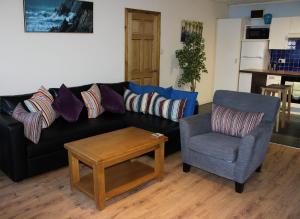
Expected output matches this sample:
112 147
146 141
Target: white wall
280 9
28 60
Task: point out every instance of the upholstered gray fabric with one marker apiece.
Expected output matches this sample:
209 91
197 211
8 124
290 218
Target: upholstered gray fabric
216 145
231 157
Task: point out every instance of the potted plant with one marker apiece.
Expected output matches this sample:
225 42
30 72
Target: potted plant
191 60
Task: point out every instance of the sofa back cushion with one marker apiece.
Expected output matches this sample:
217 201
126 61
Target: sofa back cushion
118 87
235 123
9 103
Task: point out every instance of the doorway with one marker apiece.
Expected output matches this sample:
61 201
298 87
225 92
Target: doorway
142 46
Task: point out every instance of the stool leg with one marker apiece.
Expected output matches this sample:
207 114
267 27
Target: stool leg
284 95
289 102
277 120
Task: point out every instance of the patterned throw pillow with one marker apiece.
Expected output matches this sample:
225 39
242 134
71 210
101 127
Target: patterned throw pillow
137 103
166 108
32 122
235 123
92 101
41 101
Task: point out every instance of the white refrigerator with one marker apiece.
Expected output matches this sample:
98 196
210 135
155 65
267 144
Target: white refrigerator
254 55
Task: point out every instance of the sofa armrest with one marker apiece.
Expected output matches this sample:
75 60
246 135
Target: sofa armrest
12 148
252 151
191 126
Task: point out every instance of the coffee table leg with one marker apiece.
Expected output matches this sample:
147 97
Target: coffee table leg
99 185
74 170
159 161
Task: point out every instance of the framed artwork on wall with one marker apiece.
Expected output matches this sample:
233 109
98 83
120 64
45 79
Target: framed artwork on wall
60 16
190 27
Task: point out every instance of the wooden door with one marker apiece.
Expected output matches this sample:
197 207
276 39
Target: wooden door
142 51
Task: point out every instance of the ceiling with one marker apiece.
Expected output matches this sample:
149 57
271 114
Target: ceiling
237 2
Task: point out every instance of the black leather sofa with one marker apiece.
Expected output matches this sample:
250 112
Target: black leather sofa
20 158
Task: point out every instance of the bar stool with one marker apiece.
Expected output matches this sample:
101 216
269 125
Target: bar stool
285 94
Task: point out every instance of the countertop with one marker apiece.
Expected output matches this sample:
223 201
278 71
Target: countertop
271 72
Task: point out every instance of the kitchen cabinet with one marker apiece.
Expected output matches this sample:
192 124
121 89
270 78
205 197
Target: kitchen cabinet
228 47
279 31
294 25
245 81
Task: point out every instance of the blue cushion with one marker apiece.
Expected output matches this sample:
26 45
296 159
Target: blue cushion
191 100
165 92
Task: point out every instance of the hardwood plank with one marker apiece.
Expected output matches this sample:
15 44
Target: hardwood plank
273 193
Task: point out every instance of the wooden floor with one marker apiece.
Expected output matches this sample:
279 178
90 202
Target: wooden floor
273 193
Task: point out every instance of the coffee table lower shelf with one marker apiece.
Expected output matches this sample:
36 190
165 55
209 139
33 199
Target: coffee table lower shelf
119 178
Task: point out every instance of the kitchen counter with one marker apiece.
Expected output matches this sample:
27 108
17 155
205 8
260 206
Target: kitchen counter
259 77
272 72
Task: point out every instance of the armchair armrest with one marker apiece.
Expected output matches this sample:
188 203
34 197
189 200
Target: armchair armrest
191 126
12 148
252 151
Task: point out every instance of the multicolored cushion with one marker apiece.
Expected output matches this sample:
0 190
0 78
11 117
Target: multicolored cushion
191 98
235 123
41 101
92 101
166 108
111 100
137 103
32 122
67 104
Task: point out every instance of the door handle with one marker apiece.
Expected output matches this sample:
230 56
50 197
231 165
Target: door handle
252 57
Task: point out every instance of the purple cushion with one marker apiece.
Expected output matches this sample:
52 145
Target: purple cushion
67 104
235 123
111 100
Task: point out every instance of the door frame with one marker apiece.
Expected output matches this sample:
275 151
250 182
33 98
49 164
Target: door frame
158 14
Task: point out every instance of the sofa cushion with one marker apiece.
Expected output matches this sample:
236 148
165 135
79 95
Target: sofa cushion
41 101
118 87
93 101
223 147
32 122
235 123
53 138
167 108
67 104
9 103
191 100
137 103
111 100
165 92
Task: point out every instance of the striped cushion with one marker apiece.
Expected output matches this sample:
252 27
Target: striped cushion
166 108
92 101
235 123
42 101
32 122
137 103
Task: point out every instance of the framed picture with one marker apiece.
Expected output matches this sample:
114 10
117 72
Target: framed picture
190 27
61 16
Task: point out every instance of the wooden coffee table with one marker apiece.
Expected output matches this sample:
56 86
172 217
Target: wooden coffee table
110 157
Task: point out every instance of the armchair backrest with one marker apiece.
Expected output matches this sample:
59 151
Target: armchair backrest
248 102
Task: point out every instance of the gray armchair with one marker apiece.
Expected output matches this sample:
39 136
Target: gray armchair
227 156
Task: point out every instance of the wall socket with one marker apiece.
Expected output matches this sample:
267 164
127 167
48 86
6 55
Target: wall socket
281 61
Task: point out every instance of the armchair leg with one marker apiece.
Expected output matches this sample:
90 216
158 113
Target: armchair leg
186 167
239 187
258 169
